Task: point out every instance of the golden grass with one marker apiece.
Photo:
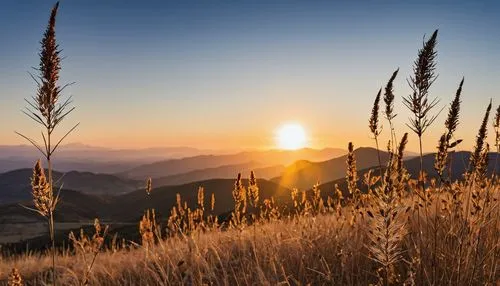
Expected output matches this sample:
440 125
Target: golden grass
322 250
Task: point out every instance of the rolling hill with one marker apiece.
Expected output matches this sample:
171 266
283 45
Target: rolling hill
73 206
304 174
222 172
459 164
77 206
162 199
15 185
266 158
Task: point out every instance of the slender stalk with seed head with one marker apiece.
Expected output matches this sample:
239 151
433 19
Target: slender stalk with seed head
253 190
445 143
47 109
389 103
374 128
475 161
352 173
418 101
420 105
212 202
441 160
149 186
480 141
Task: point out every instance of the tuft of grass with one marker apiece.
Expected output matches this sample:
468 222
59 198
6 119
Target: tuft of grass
388 221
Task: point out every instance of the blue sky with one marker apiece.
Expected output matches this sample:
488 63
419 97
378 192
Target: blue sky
226 74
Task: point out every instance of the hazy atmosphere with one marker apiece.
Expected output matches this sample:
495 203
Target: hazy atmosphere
228 74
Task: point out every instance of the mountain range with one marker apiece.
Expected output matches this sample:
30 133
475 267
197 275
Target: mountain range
122 201
84 158
265 158
222 172
15 185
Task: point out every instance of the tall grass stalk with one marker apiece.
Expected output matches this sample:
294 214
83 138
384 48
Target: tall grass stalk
374 128
389 104
420 105
418 101
47 109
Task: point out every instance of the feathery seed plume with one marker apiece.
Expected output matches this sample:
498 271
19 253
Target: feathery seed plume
15 278
480 140
374 128
389 97
352 173
42 194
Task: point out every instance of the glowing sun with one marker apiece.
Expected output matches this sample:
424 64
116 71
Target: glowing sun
291 136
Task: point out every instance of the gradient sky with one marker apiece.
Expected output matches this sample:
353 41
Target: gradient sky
226 74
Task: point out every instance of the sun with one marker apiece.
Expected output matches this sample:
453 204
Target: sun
291 136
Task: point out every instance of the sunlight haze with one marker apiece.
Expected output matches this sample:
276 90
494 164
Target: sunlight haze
224 75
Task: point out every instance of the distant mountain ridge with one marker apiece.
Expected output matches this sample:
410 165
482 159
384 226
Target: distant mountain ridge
266 158
222 172
103 154
84 158
15 185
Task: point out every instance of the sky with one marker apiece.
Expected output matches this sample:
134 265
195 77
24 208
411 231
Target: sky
227 74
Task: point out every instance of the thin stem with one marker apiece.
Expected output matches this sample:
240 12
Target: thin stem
420 180
51 233
496 162
378 155
52 236
393 133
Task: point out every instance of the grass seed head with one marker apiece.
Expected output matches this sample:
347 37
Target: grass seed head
42 194
389 97
148 186
15 278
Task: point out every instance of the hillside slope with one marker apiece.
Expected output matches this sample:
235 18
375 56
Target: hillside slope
15 185
78 206
459 165
222 172
304 174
